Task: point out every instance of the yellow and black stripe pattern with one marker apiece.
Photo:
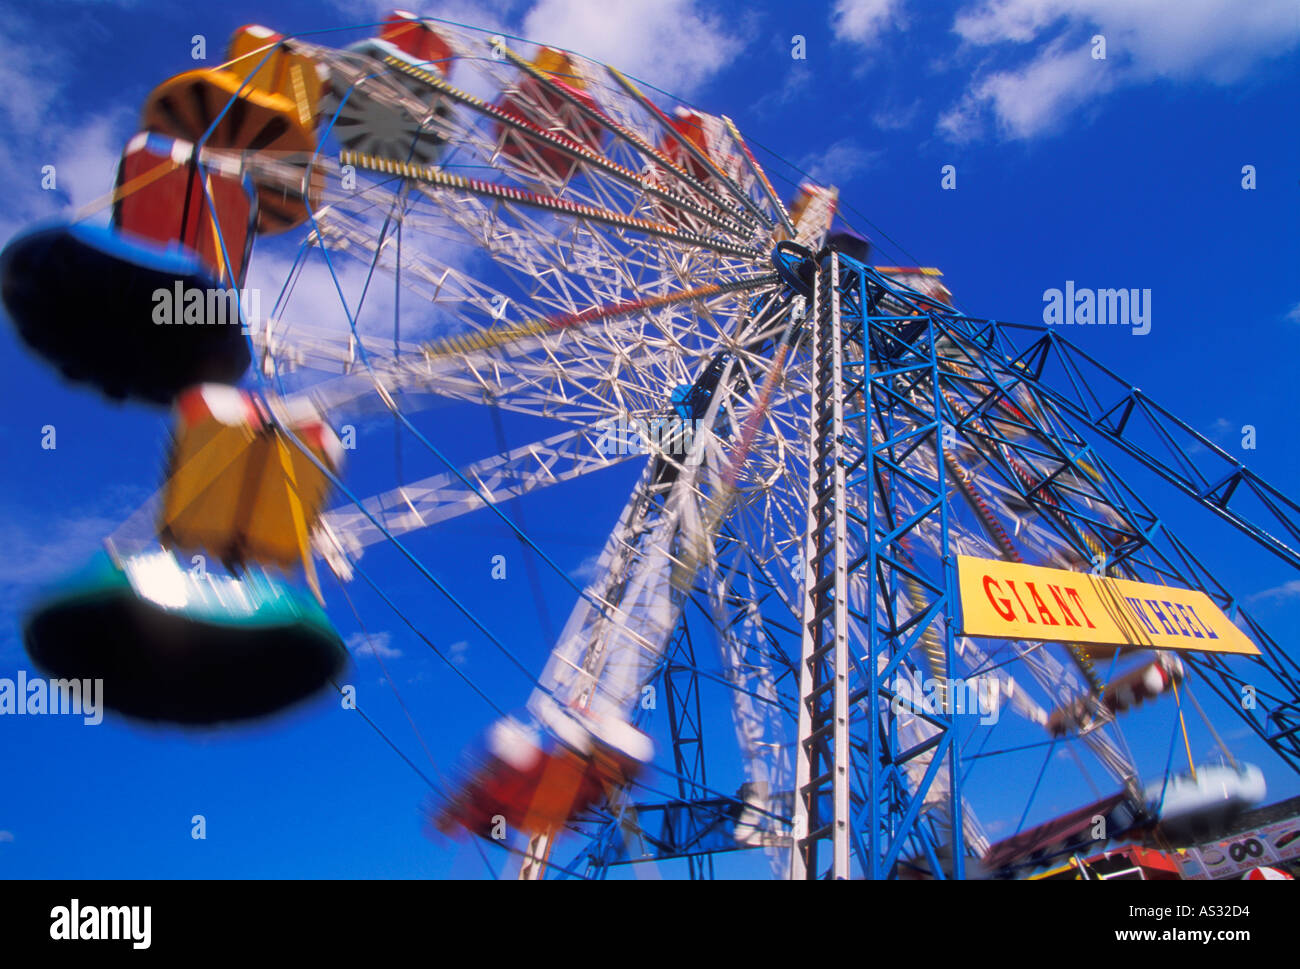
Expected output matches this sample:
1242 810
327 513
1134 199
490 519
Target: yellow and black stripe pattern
430 175
559 141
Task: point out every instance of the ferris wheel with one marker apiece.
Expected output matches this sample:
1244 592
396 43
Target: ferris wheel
448 215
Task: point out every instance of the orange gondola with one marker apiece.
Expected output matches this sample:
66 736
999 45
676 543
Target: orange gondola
220 109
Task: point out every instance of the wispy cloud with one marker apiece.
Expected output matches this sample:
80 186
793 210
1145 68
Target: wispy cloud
476 13
1216 41
675 43
41 547
1031 99
1279 593
84 154
896 118
839 163
863 21
1222 431
458 652
376 644
798 82
586 569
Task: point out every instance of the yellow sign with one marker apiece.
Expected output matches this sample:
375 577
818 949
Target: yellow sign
1014 601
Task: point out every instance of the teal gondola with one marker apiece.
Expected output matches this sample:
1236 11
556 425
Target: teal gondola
174 647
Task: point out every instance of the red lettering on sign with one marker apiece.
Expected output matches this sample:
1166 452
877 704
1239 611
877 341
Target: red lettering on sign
1044 613
1060 604
1004 610
1012 586
1074 594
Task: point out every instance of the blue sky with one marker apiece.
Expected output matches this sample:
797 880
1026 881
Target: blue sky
1123 172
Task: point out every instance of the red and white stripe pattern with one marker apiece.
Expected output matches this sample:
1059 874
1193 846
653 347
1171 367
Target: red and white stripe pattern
1266 873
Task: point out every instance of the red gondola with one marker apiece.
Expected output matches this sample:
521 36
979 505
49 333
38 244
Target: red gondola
544 106
208 206
535 786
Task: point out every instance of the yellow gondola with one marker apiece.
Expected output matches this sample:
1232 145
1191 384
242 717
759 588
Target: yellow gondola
240 487
273 65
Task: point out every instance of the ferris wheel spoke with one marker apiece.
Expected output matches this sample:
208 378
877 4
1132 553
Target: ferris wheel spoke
574 150
432 180
345 233
521 381
498 479
699 157
640 144
560 254
773 199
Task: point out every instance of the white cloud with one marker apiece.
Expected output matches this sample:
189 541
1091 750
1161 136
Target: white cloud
6 836
376 644
896 118
1217 41
839 163
797 84
960 123
862 21
671 43
458 652
40 549
473 13
43 548
87 158
1039 95
586 569
1294 313
1279 593
32 100
1221 429
675 44
26 93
